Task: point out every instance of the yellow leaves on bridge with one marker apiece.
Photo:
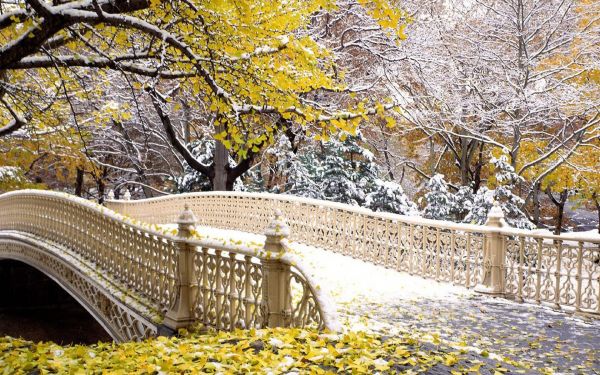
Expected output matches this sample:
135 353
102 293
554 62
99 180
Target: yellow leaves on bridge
258 351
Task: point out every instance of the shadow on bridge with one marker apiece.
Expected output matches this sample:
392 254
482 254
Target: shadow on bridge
34 307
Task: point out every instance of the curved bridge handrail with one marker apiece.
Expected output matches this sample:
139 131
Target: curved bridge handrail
141 210
229 280
141 258
562 270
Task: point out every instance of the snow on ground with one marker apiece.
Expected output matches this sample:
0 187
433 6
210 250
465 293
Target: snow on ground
376 299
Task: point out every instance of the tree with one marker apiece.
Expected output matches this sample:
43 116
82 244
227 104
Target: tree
475 78
504 182
250 66
438 198
462 203
483 201
388 196
191 180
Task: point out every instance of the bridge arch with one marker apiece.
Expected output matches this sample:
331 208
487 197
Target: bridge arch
94 294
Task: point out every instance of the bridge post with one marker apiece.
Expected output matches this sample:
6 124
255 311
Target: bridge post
276 278
494 255
180 315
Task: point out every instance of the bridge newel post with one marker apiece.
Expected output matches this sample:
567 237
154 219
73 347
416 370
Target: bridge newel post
494 255
276 274
180 315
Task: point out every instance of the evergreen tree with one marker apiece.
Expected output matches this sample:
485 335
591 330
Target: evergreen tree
439 199
511 204
298 172
483 201
506 179
462 202
389 196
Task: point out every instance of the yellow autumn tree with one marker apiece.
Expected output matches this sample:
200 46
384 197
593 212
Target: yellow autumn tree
253 65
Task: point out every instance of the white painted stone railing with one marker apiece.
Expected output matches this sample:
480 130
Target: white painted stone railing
184 280
561 270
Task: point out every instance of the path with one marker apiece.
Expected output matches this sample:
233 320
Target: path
381 300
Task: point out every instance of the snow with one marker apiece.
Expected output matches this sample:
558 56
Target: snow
351 280
9 173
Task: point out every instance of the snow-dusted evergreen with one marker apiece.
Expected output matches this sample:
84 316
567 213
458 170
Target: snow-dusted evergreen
483 201
12 178
462 203
439 200
511 204
388 196
339 170
297 171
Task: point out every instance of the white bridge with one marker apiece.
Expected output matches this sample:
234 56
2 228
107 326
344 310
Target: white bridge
138 280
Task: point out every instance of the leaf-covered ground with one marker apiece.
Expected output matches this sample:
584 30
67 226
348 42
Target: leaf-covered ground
393 323
254 351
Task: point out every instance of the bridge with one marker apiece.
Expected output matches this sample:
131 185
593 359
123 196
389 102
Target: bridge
139 278
138 281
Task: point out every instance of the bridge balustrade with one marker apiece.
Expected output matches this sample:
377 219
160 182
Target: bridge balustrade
563 271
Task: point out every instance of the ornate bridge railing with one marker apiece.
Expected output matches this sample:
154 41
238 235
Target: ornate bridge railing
135 279
561 270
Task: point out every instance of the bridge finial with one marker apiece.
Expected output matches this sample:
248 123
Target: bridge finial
186 221
275 232
127 195
111 195
180 312
495 217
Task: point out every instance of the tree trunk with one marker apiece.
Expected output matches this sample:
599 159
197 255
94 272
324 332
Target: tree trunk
478 167
101 185
559 218
79 182
101 189
560 205
536 205
597 204
221 163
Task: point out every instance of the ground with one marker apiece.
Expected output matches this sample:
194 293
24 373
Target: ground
375 299
391 323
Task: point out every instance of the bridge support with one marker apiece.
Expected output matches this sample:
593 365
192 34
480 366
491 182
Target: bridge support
180 314
277 288
494 256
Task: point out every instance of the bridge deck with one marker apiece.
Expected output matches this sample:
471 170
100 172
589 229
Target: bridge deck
374 298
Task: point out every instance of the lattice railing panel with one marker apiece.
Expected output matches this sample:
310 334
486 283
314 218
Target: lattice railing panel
562 273
304 308
383 239
229 290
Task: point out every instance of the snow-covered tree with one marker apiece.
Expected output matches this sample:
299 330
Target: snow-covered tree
462 203
511 204
483 201
338 178
297 174
388 196
439 199
13 178
506 180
